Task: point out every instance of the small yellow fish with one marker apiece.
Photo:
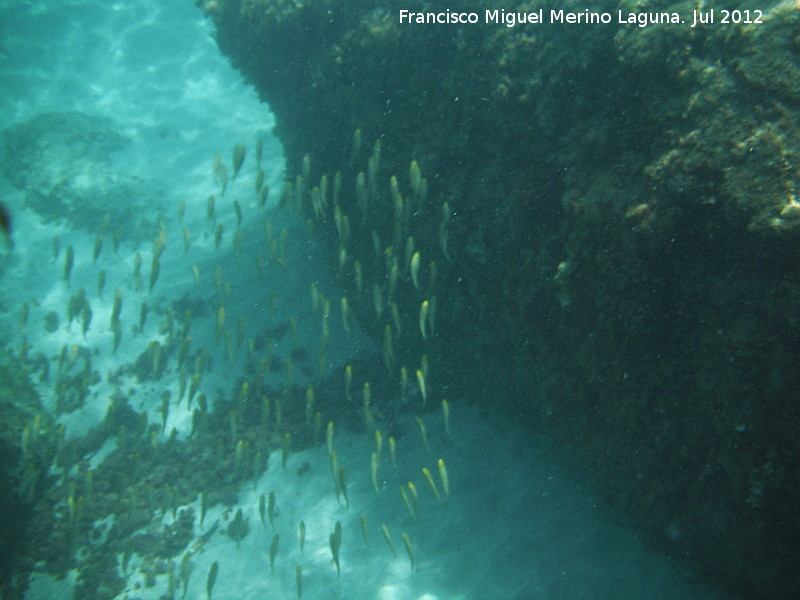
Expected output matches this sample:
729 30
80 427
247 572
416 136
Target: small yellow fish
326 313
259 180
220 325
258 466
366 393
310 399
300 191
364 530
181 385
387 536
394 188
444 478
212 578
369 419
210 202
335 473
443 231
396 318
373 470
378 443
348 382
271 509
183 352
186 571
415 177
423 389
301 535
262 504
196 274
409 252
329 437
423 433
377 300
394 277
414 497
343 484
273 551
215 163
393 452
203 506
237 208
423 318
69 262
431 315
263 195
238 158
98 247
316 298
160 243
286 195
194 385
24 311
415 259
345 315
335 540
409 506
358 275
155 267
200 542
431 483
356 148
101 283
342 260
407 543
337 219
187 322
116 328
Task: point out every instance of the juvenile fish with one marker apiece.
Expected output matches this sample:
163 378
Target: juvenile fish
212 578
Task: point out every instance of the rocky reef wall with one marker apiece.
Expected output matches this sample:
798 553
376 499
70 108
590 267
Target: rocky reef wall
612 216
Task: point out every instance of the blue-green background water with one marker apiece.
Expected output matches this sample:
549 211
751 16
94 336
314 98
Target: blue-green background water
519 523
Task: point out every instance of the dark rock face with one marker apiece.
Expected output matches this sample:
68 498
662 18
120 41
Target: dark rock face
621 254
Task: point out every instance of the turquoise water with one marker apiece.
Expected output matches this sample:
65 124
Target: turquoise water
518 522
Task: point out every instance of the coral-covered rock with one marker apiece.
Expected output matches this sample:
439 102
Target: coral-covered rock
613 217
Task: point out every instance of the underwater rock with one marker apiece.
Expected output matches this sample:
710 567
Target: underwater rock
64 162
656 164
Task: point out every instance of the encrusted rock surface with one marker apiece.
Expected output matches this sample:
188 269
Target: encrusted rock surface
624 238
